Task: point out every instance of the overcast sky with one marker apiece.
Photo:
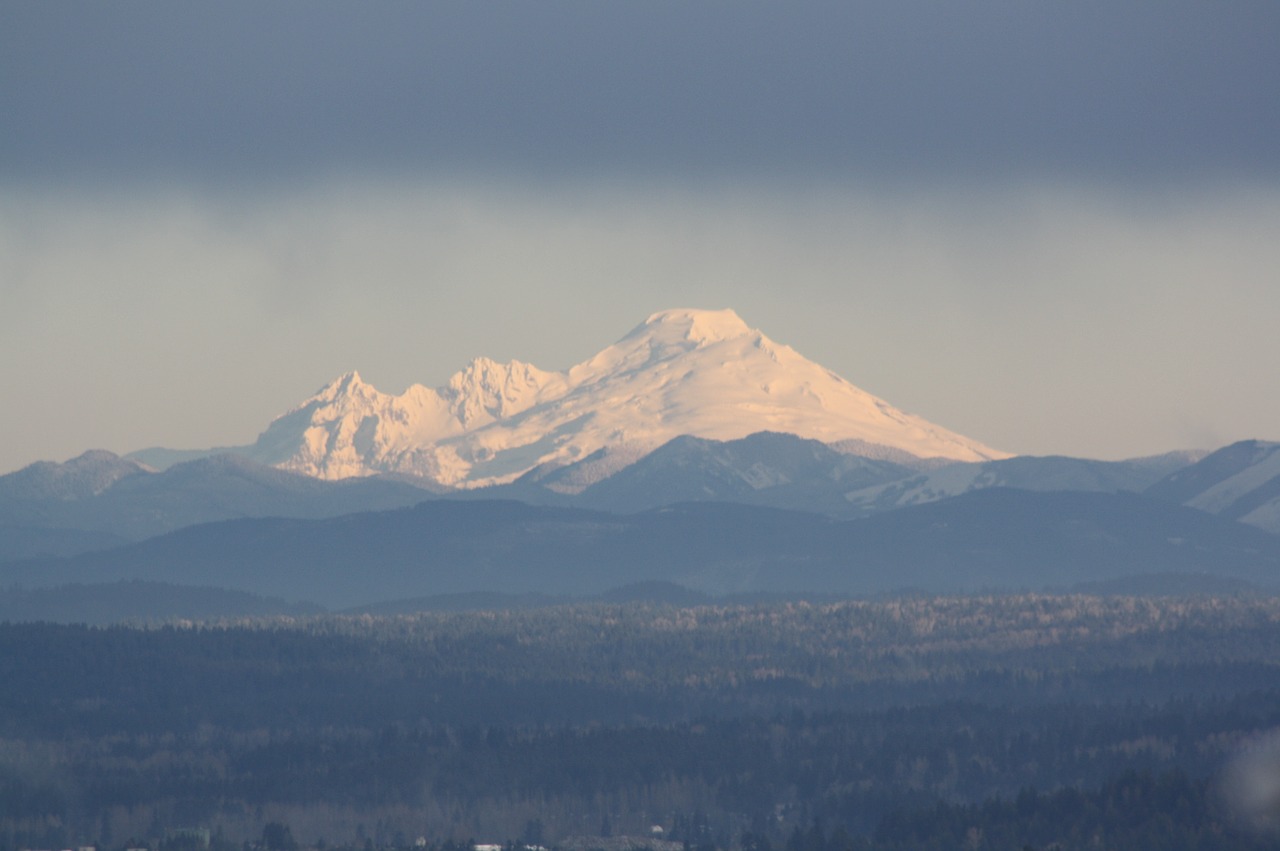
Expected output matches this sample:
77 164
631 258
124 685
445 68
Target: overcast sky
1053 227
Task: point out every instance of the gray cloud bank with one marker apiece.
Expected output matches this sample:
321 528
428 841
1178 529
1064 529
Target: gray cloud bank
1050 226
893 90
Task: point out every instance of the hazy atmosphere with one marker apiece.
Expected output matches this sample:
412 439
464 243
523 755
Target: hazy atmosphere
1052 229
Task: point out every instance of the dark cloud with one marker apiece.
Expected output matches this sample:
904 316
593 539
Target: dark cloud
874 90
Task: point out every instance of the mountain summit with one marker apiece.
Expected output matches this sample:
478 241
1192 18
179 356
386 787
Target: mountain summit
681 372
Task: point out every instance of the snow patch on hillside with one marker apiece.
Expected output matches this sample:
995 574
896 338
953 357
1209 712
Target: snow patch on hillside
1220 497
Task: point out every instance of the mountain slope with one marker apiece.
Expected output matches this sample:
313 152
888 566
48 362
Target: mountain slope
1240 481
681 372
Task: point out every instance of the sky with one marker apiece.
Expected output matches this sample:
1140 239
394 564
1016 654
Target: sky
1052 227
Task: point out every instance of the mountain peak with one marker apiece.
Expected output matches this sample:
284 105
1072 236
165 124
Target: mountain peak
694 325
348 385
486 390
85 475
342 384
485 372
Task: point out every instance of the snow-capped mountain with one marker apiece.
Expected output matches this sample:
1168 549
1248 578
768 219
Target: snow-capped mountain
703 373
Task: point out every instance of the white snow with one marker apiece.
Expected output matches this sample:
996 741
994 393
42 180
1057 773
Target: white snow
696 372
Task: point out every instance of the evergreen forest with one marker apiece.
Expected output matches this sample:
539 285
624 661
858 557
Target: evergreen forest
1001 722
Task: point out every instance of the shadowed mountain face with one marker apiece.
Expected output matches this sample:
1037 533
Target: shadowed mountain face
991 539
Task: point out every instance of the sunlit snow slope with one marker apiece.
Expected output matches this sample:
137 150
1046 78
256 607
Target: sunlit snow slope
681 372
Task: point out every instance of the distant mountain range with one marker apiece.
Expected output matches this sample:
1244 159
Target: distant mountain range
993 539
100 500
695 455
